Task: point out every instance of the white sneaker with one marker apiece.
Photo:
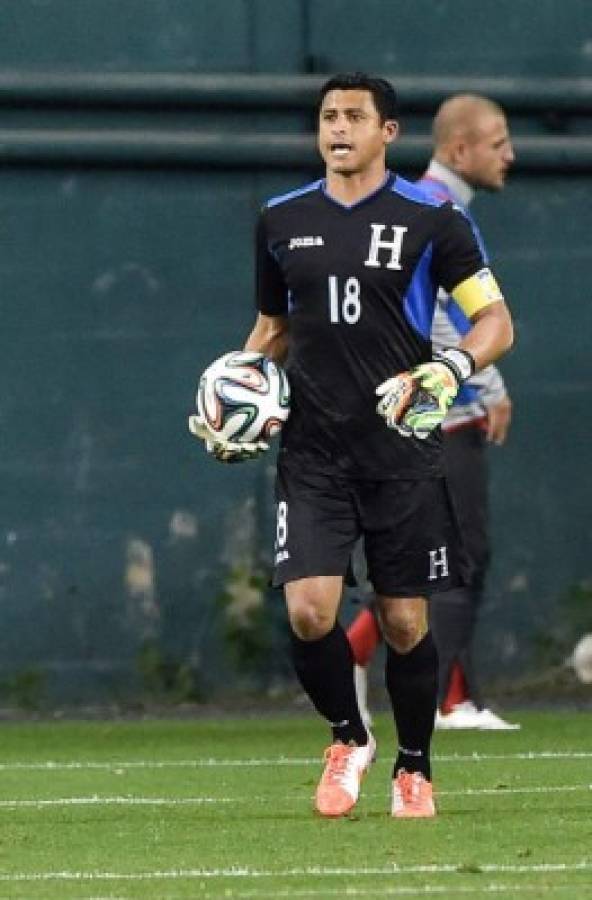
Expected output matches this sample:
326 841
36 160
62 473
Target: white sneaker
463 715
489 721
466 715
339 787
412 797
361 685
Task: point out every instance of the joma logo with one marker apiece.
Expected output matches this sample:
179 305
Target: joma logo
297 243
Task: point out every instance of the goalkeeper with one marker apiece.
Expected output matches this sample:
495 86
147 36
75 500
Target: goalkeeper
347 272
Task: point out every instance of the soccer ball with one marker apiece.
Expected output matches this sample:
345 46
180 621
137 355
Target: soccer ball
581 659
243 396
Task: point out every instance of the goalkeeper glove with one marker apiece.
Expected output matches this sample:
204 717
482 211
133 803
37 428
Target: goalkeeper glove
416 402
222 450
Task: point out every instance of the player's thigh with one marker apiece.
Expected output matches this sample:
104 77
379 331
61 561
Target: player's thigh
411 537
317 523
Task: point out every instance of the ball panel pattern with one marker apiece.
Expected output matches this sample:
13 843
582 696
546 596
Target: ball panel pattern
243 396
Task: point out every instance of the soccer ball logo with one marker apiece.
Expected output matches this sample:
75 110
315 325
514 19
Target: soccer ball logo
243 396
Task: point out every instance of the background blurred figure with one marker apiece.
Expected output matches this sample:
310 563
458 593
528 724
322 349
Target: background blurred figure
472 151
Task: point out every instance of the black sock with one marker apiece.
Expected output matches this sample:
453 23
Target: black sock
412 684
325 669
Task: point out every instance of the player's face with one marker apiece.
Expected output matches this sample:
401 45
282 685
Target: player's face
351 138
489 154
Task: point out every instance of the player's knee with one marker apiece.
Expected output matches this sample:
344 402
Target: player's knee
403 629
309 621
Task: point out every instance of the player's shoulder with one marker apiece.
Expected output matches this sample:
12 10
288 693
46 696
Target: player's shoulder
415 192
293 196
438 209
441 194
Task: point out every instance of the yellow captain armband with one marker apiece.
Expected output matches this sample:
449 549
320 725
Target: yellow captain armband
475 293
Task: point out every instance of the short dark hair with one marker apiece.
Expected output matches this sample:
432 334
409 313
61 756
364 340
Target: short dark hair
383 93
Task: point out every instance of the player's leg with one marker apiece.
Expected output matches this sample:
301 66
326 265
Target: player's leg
317 528
411 544
322 656
324 664
411 681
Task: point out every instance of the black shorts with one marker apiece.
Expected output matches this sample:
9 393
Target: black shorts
410 535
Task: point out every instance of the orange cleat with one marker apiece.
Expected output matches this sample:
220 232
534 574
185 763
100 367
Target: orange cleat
339 787
412 797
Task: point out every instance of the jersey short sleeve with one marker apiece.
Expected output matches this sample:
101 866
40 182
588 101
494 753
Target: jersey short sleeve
457 253
271 291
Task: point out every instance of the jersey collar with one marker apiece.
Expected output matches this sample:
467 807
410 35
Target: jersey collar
388 180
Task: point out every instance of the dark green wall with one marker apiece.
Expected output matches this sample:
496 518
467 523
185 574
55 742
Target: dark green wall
538 231
117 288
121 276
532 37
158 35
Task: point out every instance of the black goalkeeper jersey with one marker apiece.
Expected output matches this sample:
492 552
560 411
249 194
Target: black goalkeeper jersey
359 285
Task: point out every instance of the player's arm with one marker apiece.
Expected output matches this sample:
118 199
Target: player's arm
416 402
270 332
270 336
491 333
448 327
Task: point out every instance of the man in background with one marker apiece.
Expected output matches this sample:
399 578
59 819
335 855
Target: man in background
472 151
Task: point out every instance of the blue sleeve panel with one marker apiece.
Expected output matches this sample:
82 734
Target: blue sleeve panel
420 298
477 233
461 322
417 192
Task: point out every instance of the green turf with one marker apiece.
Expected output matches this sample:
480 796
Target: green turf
147 809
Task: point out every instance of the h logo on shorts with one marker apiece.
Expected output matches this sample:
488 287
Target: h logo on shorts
438 564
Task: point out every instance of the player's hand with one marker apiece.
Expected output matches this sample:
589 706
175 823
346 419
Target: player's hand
498 421
225 451
414 403
396 397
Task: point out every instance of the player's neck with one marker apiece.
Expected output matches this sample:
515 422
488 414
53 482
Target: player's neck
351 188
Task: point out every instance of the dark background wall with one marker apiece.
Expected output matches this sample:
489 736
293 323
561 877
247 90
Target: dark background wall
132 166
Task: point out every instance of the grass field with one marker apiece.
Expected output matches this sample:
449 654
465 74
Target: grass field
222 808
